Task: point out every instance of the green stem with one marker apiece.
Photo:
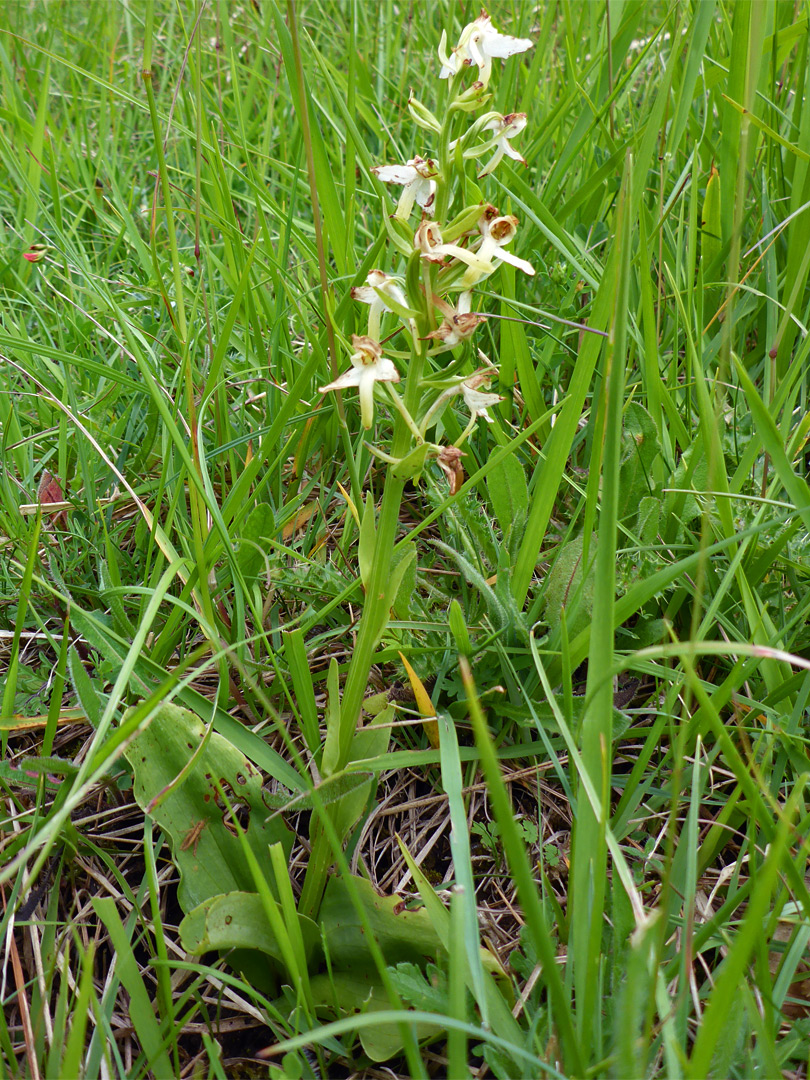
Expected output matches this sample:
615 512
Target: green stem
372 624
443 191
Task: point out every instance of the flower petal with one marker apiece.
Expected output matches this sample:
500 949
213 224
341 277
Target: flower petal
364 293
396 174
384 370
343 382
513 260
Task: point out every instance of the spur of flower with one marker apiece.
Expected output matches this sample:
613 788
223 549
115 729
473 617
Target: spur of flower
416 180
368 366
479 44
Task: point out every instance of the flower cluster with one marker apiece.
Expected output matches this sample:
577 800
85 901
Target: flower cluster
446 255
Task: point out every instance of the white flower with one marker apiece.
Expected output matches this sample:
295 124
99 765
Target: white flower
477 402
505 128
368 366
478 44
418 185
459 323
496 232
379 286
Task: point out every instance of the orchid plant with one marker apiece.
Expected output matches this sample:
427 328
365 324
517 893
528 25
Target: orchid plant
422 313
444 259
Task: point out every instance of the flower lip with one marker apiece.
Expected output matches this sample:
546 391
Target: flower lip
496 230
429 236
366 349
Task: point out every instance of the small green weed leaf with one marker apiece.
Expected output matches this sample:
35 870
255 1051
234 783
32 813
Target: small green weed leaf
458 628
257 529
89 698
692 472
647 632
648 521
237 920
542 712
570 589
639 449
31 771
93 630
107 581
425 990
501 616
400 933
362 992
203 835
509 495
403 576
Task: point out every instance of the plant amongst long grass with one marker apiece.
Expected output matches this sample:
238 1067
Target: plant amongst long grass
291 415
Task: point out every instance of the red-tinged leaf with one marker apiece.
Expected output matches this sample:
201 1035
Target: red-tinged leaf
50 491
